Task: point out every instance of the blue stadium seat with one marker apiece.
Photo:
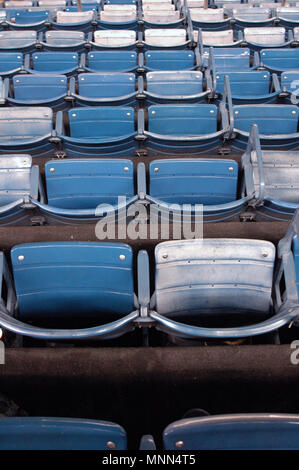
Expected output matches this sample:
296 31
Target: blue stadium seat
279 60
37 90
74 21
27 129
17 41
104 130
290 86
278 124
76 189
69 282
252 17
34 433
234 432
250 87
64 63
33 20
19 182
104 89
210 19
190 128
62 41
170 60
11 63
176 87
113 39
228 59
210 186
288 16
110 61
270 37
272 176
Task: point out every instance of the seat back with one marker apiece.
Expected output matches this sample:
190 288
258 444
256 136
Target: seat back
60 434
253 84
24 123
290 81
271 119
177 83
97 122
84 184
252 15
182 120
74 17
39 87
290 13
169 60
234 432
265 35
112 61
30 17
281 175
296 33
213 275
281 59
115 37
15 39
52 3
54 62
10 61
15 178
216 38
295 248
210 15
165 37
193 181
161 16
73 279
106 85
229 59
64 38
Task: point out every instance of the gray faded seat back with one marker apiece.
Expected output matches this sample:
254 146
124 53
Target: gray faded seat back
213 275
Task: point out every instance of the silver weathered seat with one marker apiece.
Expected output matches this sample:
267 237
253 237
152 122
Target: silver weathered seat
74 17
296 34
165 37
269 36
217 38
114 38
161 16
208 15
118 13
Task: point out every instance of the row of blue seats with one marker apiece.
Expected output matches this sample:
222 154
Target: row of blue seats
71 281
175 87
152 39
190 129
221 60
215 189
263 431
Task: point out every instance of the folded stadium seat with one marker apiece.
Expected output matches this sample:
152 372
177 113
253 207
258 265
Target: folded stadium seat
159 38
288 17
58 41
85 5
24 4
228 59
279 60
110 61
209 19
222 288
34 433
84 189
272 176
50 4
252 17
110 89
118 17
164 18
263 431
270 37
296 36
176 87
170 60
33 20
27 129
104 130
289 84
113 39
278 123
64 283
250 87
209 186
17 41
37 90
74 20
11 63
19 182
64 63
189 129
217 38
